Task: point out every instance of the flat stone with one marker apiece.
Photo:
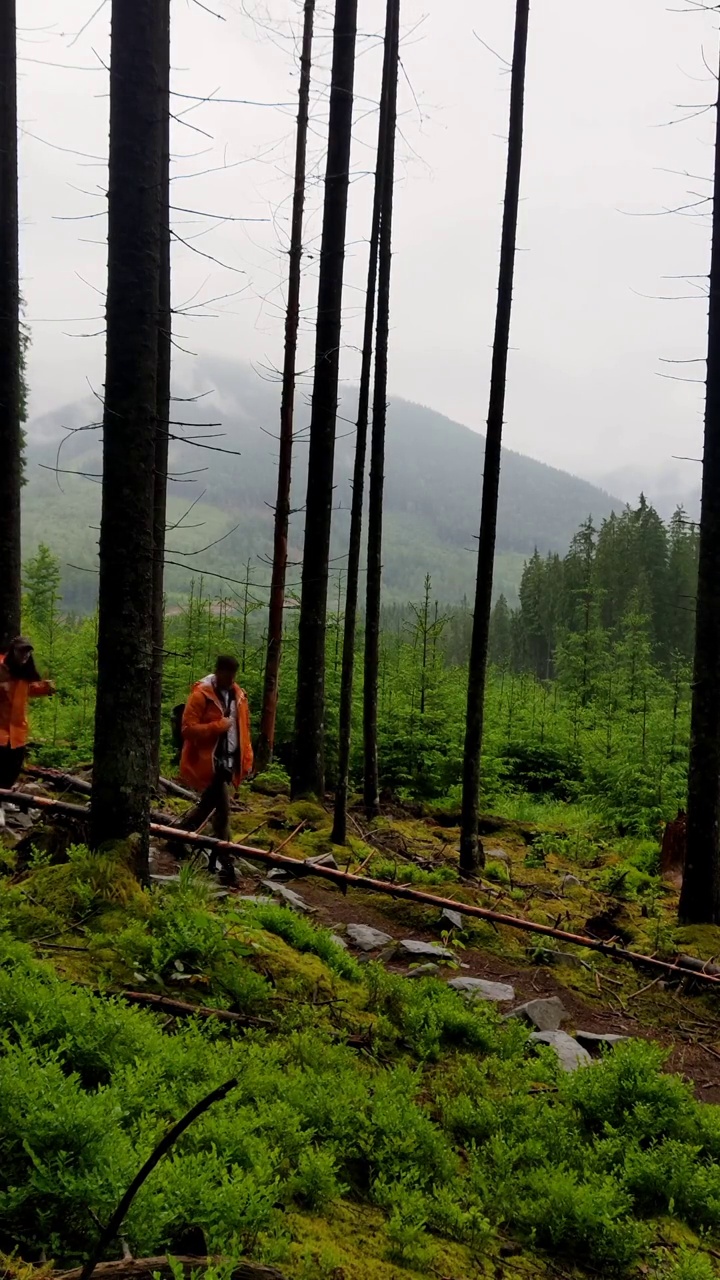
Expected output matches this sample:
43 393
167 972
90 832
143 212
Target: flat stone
543 1014
277 873
591 1040
158 879
367 939
411 948
339 942
245 868
323 860
424 971
497 855
479 989
256 900
570 1054
453 918
288 896
21 821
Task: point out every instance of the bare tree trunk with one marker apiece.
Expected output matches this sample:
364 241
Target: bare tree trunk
10 344
339 832
700 897
470 851
309 763
377 443
162 435
122 773
266 740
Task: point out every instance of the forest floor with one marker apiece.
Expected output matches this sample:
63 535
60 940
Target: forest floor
601 995
327 1034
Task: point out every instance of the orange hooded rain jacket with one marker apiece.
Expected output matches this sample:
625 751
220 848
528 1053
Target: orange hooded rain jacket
202 726
14 696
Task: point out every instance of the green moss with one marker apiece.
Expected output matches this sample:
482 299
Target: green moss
309 812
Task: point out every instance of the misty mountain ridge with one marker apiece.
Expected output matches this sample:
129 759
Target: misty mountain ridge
433 488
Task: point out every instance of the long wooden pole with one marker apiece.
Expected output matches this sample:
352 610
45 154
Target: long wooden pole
346 879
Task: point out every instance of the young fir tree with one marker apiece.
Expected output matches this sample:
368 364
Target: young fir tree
470 850
10 335
309 759
122 765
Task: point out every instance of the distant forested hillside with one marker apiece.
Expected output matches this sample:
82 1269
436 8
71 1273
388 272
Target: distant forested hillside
433 485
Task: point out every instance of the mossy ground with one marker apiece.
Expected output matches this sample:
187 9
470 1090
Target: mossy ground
88 919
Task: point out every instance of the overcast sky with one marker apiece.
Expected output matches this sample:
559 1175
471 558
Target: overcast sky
602 163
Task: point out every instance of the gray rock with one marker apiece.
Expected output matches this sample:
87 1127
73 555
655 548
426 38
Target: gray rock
570 882
543 1014
479 989
497 855
157 879
323 860
289 897
424 971
277 873
597 1042
453 918
244 868
409 947
570 1054
255 900
20 821
339 942
367 939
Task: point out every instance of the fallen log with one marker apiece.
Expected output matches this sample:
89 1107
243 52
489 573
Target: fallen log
57 778
146 1268
347 880
183 1009
174 789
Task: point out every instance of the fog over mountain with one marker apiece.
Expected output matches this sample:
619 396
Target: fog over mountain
432 495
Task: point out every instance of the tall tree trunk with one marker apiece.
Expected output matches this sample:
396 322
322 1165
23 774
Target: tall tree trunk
700 897
162 434
470 850
266 740
122 772
10 345
309 763
339 832
377 443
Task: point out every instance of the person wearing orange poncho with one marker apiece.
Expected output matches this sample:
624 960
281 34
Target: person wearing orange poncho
217 750
20 680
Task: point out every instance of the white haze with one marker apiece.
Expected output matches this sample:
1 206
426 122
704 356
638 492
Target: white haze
590 332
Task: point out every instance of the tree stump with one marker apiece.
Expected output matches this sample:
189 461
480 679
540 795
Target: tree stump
672 854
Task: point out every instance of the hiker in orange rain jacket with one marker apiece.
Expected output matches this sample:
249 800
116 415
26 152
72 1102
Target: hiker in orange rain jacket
217 751
19 681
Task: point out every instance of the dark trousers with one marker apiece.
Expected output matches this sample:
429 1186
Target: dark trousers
216 800
11 763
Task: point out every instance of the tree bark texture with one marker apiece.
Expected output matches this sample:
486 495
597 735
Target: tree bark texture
347 675
10 345
162 437
700 896
266 740
122 772
377 443
470 850
309 763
